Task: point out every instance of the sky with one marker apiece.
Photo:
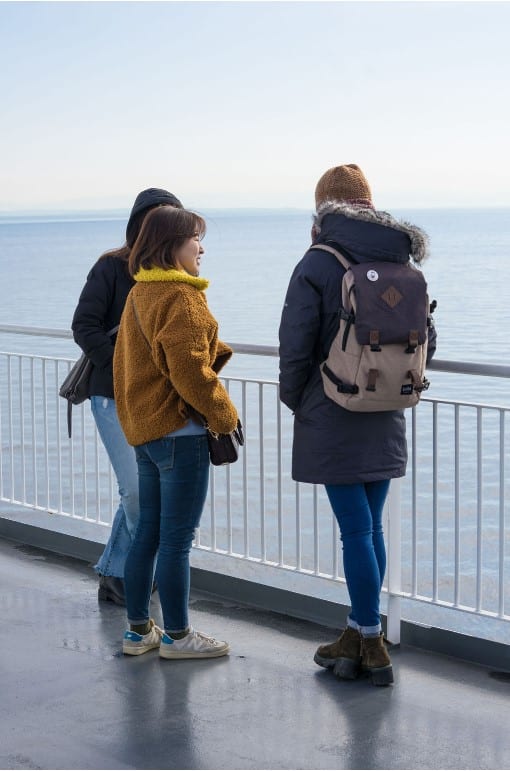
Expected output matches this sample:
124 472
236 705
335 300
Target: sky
246 104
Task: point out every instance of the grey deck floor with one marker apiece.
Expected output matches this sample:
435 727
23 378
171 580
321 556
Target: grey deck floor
71 700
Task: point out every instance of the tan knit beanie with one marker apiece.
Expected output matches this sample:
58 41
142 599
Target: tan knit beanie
343 183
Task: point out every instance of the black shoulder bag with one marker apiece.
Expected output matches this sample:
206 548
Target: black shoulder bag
75 387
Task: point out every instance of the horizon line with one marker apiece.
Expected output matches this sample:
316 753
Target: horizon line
120 210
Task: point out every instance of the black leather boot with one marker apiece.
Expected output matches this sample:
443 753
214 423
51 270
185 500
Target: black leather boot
111 589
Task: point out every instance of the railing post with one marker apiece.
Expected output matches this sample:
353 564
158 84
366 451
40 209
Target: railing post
394 566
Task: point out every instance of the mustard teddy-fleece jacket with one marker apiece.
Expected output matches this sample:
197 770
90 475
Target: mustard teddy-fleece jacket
175 364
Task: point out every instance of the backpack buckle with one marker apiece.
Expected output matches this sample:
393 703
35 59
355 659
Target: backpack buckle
413 341
418 384
372 378
341 387
374 341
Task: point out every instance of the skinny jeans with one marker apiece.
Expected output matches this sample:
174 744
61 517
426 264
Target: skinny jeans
123 460
173 474
358 509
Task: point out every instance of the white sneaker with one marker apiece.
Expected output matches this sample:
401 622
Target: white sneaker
134 644
195 645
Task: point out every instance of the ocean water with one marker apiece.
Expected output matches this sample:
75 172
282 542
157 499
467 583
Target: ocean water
249 257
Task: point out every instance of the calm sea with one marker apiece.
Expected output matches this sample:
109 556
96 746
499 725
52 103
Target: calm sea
249 256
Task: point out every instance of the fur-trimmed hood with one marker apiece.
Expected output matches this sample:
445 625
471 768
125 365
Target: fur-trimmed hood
418 239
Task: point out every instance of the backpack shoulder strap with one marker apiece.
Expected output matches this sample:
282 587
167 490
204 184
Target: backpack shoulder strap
344 262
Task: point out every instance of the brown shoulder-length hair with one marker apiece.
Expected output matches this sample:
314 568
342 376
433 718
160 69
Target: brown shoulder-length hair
164 230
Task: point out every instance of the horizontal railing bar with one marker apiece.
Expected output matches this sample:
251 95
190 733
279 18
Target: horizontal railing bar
12 329
470 368
255 350
439 365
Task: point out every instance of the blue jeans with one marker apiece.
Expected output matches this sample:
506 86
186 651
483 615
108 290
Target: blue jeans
358 510
123 460
173 477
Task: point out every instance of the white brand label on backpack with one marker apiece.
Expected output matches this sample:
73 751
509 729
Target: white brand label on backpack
372 275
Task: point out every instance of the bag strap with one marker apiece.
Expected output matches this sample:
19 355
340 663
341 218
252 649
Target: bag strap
342 259
345 263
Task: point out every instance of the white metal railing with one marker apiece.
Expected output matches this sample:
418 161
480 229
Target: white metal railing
446 530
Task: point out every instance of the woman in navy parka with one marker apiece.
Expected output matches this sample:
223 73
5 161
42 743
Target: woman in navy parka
354 454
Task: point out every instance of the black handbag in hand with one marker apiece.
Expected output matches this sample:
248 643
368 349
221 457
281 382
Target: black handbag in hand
224 448
75 387
76 384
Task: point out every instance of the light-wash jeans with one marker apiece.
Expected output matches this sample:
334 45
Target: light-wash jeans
123 459
174 476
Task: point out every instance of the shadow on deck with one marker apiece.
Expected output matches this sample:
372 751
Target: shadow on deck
71 700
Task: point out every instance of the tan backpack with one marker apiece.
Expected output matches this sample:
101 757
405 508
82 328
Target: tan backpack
377 360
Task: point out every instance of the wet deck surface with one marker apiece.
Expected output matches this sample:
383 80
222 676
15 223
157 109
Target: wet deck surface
71 700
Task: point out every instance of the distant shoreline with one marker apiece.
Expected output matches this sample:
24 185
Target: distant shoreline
96 215
33 216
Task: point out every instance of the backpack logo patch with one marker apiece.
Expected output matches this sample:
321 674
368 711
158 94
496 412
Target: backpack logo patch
372 275
391 296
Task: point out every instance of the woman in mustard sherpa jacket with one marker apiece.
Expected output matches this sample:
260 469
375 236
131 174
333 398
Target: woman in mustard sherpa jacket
167 357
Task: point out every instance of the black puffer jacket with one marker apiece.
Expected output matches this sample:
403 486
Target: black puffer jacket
99 309
333 445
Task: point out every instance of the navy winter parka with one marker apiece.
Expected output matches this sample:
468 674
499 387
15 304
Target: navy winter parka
332 445
99 309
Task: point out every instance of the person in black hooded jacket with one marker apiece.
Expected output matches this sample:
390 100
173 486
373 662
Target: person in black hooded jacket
98 311
354 454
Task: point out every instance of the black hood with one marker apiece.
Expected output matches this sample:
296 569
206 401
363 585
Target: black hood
364 241
365 234
147 199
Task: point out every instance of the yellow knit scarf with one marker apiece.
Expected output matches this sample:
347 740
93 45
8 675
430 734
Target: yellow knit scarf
159 274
